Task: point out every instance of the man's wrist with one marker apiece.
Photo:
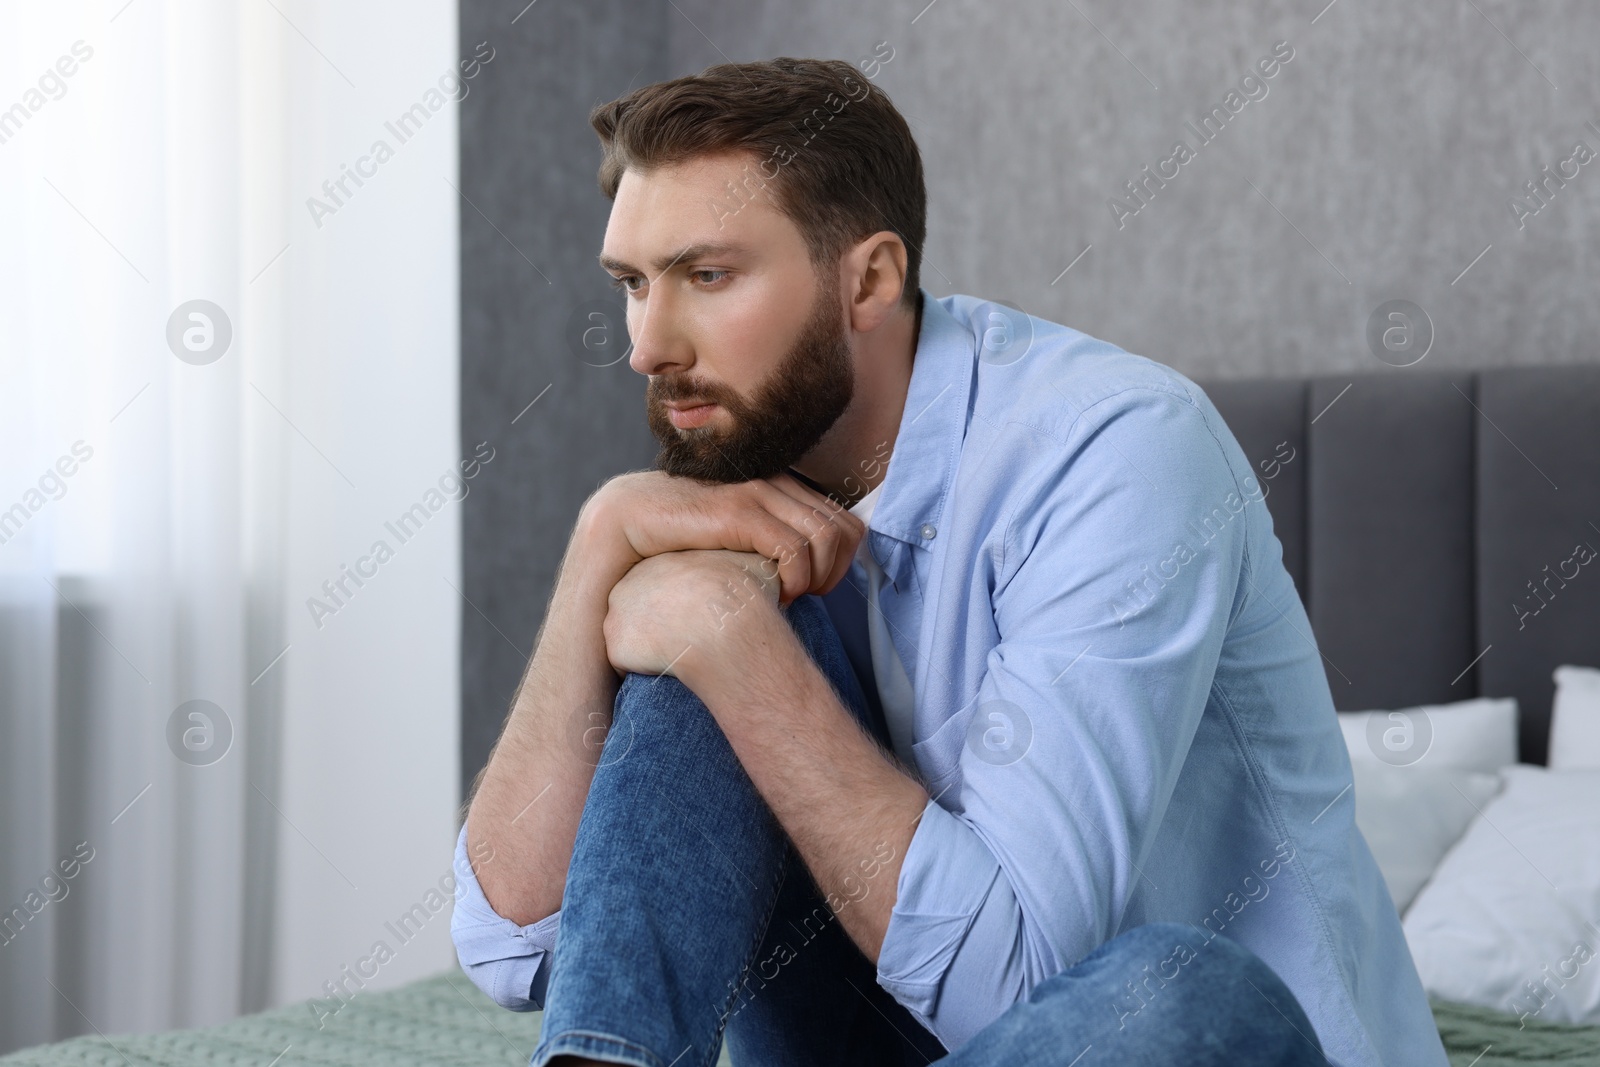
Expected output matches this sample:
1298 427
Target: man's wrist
599 552
754 635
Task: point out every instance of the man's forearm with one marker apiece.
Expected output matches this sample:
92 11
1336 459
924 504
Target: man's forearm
531 795
848 809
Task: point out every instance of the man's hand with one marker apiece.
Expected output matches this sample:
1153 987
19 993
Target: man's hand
529 798
811 539
671 603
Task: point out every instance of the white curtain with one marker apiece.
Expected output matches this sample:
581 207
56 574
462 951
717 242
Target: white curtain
212 397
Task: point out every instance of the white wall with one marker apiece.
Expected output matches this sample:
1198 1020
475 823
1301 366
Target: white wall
371 698
176 163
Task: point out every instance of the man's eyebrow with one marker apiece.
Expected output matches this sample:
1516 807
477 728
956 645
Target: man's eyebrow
690 252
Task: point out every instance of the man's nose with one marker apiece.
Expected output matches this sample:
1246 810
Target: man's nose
658 346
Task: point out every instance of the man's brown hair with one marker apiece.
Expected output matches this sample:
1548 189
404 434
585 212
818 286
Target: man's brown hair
833 153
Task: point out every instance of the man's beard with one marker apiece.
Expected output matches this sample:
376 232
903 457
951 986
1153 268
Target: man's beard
791 411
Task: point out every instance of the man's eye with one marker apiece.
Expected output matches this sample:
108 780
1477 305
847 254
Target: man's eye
706 277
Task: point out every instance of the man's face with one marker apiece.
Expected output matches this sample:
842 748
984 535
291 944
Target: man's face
743 324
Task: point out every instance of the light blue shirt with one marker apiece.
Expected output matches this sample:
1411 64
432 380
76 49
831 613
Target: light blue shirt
888 673
1120 711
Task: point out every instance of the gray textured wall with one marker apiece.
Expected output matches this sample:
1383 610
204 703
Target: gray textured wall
530 232
1380 164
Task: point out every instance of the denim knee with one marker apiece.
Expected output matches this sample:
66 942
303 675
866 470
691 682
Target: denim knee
1155 959
1179 978
813 626
649 710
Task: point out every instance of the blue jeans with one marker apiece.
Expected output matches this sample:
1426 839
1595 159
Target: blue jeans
688 913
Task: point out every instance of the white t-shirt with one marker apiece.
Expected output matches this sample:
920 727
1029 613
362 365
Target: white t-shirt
894 687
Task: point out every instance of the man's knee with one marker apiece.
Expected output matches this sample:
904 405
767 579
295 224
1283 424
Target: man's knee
1176 978
812 625
649 709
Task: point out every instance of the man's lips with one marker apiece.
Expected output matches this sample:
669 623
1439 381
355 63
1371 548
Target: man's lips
692 414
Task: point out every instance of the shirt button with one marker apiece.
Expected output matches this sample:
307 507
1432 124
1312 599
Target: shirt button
928 531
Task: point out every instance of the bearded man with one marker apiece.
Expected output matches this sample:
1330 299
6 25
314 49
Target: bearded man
941 695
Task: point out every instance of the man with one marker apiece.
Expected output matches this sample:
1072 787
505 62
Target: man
1029 756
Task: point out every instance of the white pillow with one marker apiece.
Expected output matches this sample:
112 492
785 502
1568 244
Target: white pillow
1575 718
1469 735
1411 816
1511 918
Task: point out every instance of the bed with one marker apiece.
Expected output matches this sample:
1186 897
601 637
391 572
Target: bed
445 1021
1428 520
1443 530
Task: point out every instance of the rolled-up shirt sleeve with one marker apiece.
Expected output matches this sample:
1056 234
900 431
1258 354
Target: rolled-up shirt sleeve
510 963
1123 563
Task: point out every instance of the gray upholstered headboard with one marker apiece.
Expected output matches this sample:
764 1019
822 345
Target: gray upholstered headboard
1441 527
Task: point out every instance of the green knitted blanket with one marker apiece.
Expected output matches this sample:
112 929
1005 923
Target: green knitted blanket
445 1020
1487 1038
441 1021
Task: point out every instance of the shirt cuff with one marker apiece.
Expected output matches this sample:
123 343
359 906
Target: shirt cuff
946 876
508 962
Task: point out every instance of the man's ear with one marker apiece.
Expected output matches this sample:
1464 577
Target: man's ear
875 277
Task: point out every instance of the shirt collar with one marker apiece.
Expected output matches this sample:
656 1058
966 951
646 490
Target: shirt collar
910 499
932 427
